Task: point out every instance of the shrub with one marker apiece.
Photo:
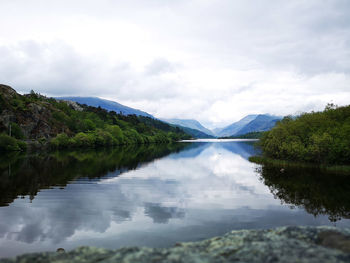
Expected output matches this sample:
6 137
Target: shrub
62 141
8 143
16 131
133 136
103 138
115 131
83 140
88 125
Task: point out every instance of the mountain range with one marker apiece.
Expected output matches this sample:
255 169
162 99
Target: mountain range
262 122
107 105
235 127
250 123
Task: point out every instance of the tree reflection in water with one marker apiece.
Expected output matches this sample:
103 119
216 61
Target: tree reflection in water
22 175
319 193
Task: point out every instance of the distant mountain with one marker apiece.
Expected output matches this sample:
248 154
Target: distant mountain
189 123
216 130
107 105
250 123
233 128
194 132
263 122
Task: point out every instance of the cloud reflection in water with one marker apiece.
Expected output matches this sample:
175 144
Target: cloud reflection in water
202 191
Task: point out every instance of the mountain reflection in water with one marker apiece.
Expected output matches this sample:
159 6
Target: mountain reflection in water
153 195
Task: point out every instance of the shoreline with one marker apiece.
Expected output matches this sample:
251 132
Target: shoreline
281 244
338 169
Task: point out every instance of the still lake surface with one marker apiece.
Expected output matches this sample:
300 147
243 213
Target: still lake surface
156 195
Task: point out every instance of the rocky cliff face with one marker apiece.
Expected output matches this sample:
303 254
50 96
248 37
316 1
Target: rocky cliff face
33 116
285 244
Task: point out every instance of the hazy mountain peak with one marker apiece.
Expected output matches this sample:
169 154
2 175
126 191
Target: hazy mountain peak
250 123
107 105
235 127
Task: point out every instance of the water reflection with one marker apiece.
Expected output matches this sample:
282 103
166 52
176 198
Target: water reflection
149 196
22 175
317 192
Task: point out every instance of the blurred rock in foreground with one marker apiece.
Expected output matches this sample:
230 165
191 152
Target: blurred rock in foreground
284 244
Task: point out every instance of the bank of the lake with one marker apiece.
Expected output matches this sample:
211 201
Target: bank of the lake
284 164
285 244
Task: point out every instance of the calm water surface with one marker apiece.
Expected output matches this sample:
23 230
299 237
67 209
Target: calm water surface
156 196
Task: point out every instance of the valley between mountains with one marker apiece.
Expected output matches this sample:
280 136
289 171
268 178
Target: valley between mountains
248 124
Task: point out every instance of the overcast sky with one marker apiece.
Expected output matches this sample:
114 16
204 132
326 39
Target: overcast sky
212 60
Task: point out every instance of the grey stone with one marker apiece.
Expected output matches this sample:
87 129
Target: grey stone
284 244
72 104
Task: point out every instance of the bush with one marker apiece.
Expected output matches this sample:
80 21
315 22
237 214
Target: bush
18 104
16 131
117 133
8 143
88 125
133 137
83 140
59 116
62 141
103 138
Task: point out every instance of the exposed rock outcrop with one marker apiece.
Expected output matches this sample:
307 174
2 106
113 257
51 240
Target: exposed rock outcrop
34 117
285 244
72 104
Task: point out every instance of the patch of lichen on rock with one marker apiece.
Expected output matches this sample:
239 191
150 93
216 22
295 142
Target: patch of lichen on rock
284 244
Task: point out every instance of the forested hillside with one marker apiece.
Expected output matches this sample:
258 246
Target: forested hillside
67 124
194 132
193 125
249 135
319 137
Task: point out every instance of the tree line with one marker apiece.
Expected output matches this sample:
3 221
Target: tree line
318 137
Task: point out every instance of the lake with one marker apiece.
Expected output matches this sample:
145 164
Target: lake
156 195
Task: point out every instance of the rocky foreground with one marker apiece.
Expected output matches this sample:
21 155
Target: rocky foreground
285 244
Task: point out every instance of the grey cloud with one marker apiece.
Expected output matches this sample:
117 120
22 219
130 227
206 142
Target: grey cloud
159 66
51 69
161 214
58 69
273 42
304 36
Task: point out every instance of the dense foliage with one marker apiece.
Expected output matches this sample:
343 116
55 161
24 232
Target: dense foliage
319 137
194 132
8 143
96 127
66 124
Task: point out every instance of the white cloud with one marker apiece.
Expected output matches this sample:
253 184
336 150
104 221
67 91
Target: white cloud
214 61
